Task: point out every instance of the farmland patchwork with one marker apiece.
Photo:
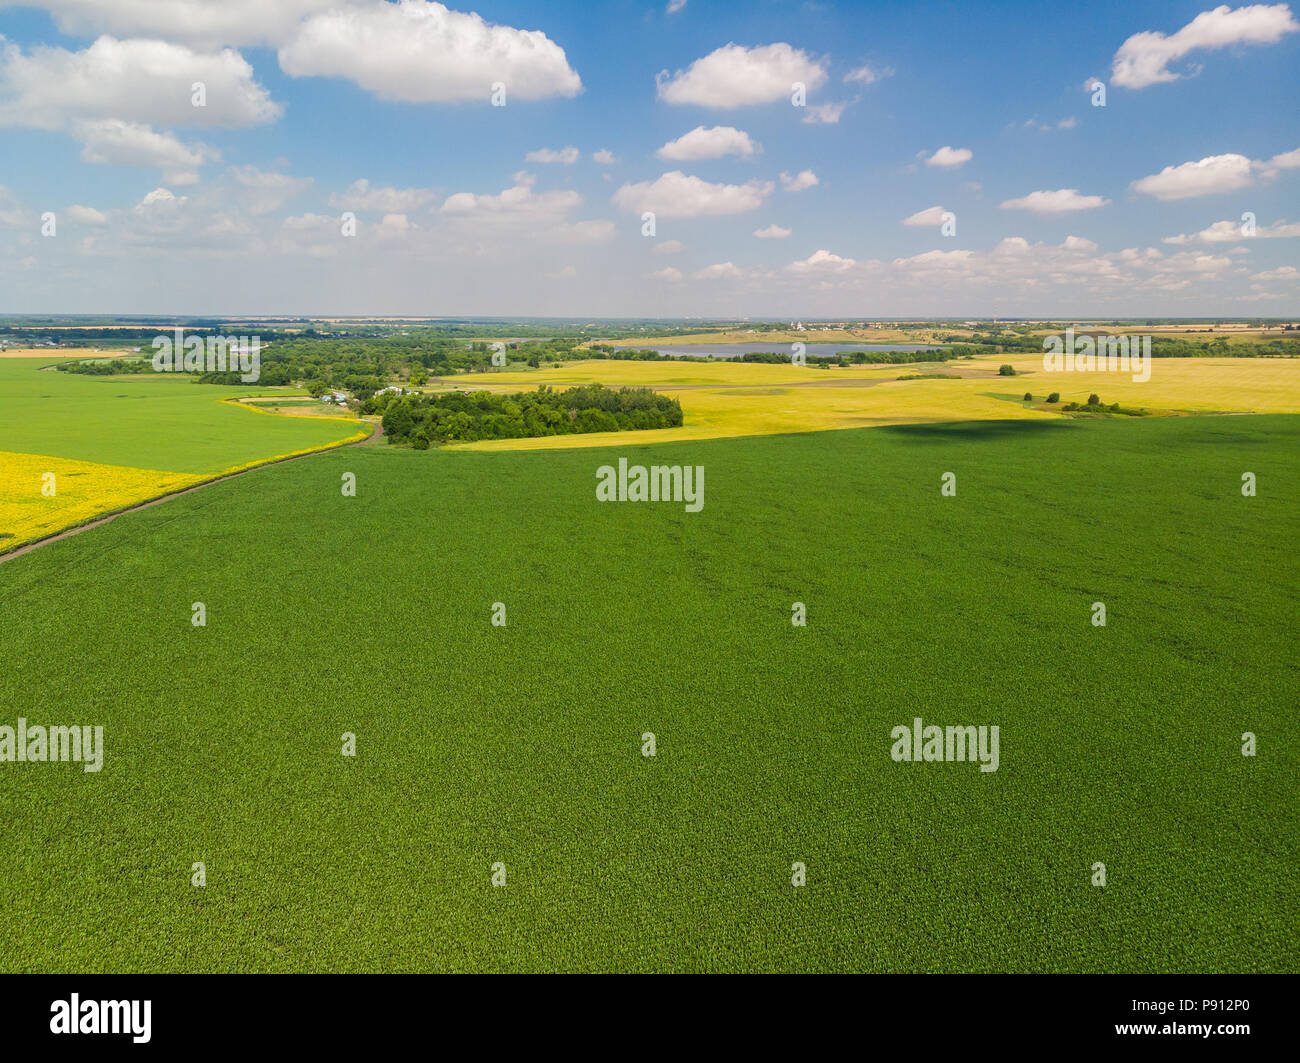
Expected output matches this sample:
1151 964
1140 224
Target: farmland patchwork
75 448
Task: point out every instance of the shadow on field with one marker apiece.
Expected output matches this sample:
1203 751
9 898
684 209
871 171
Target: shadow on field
973 431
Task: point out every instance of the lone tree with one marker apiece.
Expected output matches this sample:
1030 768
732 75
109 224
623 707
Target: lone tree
1094 400
1007 370
1055 396
1028 397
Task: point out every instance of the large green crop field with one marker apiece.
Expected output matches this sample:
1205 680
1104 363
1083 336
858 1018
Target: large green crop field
521 744
130 420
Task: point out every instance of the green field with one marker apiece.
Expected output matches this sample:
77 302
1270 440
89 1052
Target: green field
522 744
131 420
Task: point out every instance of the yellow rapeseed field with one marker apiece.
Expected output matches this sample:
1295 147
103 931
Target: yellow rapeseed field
733 399
41 495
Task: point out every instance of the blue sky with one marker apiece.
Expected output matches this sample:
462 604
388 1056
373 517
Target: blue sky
238 207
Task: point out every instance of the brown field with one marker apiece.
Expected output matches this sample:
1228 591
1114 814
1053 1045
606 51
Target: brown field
61 354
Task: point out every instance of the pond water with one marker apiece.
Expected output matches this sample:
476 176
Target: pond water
735 350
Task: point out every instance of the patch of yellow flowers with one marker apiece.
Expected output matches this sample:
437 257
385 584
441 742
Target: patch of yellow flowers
42 495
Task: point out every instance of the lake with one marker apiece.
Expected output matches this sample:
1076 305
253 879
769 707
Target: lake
735 350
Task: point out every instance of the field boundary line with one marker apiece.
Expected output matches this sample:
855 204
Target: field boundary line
376 431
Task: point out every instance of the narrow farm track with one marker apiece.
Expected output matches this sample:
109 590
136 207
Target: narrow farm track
100 521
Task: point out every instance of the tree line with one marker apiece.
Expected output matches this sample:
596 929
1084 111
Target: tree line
422 421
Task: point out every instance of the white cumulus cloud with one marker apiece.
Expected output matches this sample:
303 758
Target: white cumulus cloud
733 76
677 195
118 143
1060 201
86 215
148 82
708 143
948 157
822 261
1204 177
1225 232
204 22
1144 58
931 216
803 179
422 52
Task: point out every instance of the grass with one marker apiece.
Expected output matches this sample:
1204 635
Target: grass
522 744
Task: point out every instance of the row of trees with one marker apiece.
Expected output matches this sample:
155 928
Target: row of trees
426 420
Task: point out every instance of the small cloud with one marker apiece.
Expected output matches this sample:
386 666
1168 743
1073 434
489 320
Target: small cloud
674 6
711 143
1226 232
824 113
567 156
678 195
604 156
159 197
732 76
865 75
949 158
1208 176
668 273
86 215
668 247
718 271
822 261
1060 201
361 196
394 225
800 181
1048 127
772 232
931 216
1078 243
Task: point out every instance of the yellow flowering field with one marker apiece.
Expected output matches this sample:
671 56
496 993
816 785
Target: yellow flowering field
724 398
41 495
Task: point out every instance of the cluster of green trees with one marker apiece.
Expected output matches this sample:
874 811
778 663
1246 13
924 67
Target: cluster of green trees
108 367
847 358
636 354
1093 405
426 420
1024 341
